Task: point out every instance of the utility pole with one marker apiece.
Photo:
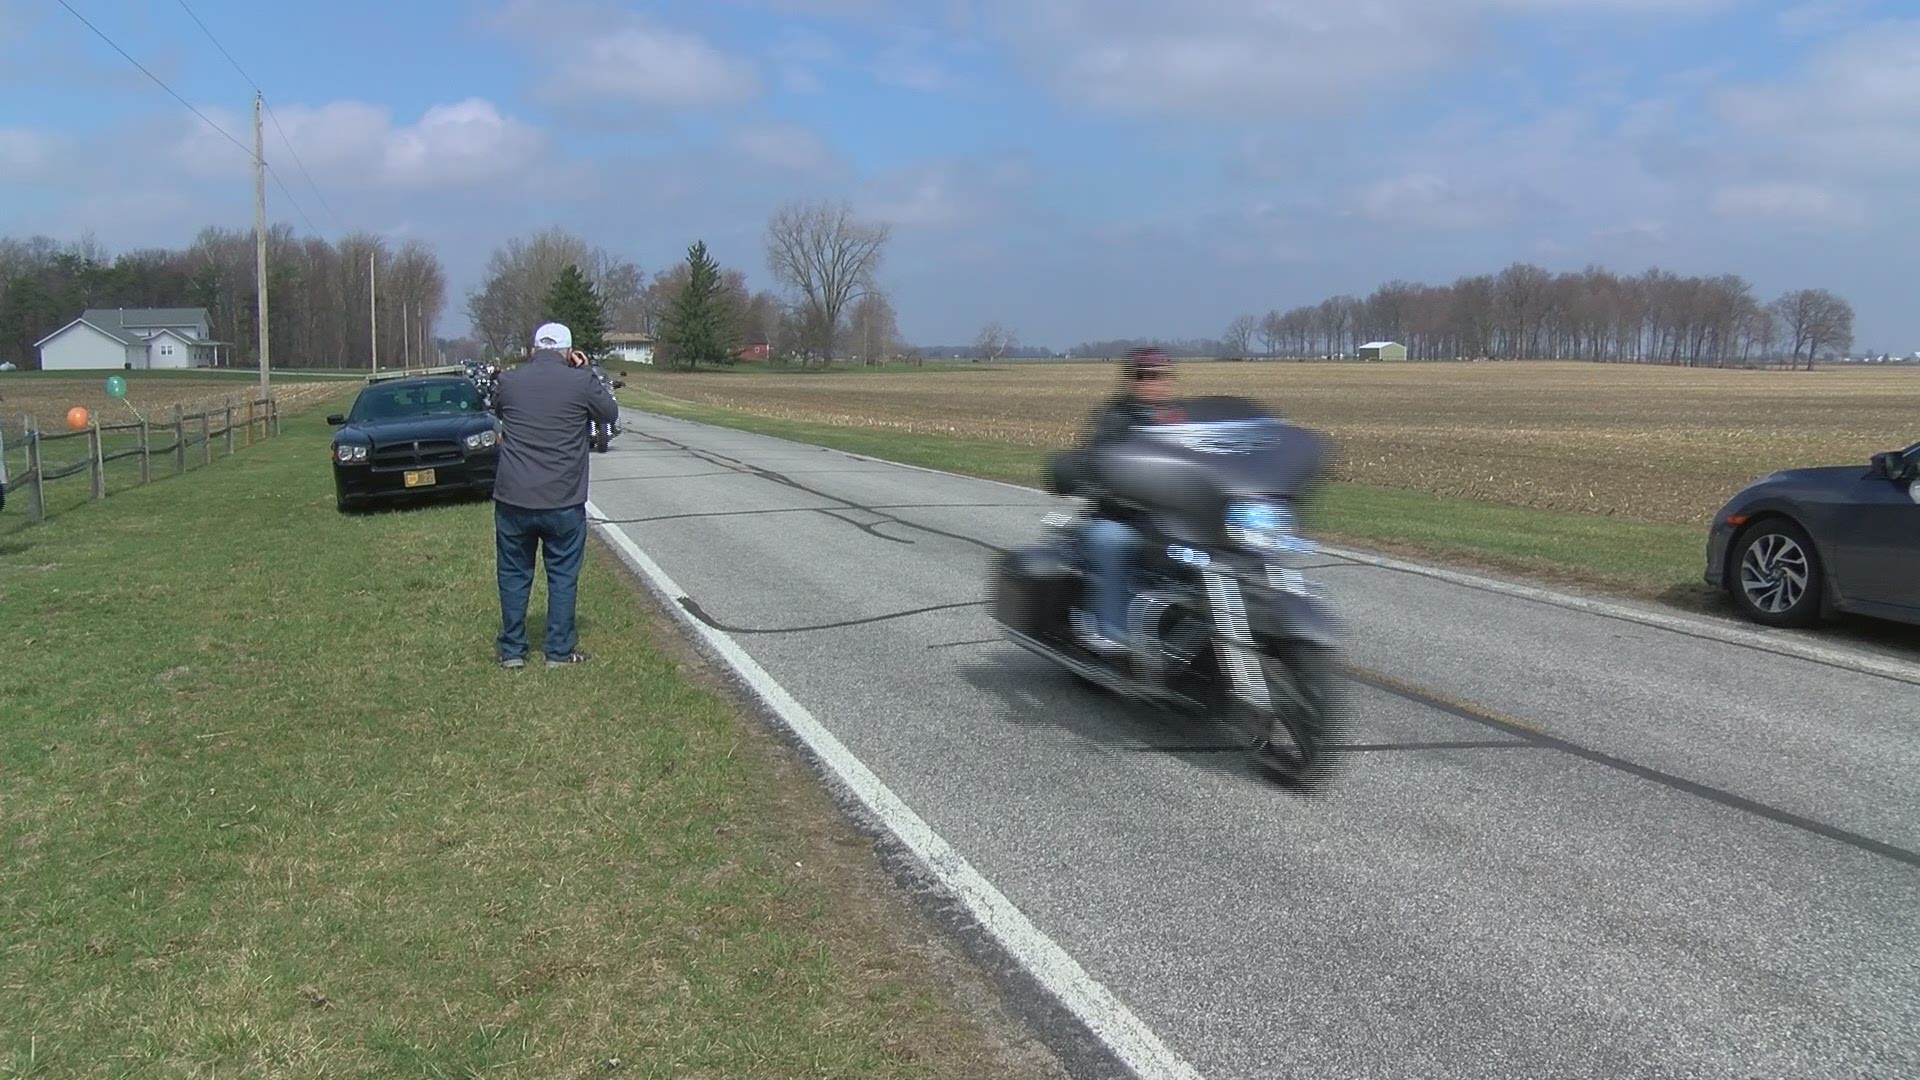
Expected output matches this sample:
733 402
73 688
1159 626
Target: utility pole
260 240
406 339
373 312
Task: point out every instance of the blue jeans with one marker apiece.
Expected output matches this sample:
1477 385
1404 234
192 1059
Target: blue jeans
1110 547
560 536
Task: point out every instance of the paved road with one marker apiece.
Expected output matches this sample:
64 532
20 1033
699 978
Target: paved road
1575 846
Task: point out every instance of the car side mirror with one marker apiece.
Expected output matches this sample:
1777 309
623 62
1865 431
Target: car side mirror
337 419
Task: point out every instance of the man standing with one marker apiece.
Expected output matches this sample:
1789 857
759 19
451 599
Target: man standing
540 488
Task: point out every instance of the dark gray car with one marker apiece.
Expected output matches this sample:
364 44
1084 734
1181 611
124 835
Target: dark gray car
1798 545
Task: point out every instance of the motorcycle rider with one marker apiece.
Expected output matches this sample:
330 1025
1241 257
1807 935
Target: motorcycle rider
1110 539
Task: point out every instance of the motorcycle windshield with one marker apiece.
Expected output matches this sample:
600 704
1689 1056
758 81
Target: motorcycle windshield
1243 458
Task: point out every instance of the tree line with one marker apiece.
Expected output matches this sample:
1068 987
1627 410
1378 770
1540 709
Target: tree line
1526 312
320 311
698 310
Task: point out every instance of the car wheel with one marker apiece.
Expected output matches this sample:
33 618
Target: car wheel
1777 578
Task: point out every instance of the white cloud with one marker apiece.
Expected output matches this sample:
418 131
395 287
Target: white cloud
1783 203
356 144
787 147
25 154
1427 200
1854 107
1256 58
596 53
799 56
905 64
945 194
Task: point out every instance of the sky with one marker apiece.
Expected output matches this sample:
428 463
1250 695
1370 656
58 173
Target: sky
1073 169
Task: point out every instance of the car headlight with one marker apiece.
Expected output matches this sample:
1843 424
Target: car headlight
1267 527
481 440
349 453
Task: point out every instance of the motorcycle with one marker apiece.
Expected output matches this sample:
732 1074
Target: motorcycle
600 436
1224 625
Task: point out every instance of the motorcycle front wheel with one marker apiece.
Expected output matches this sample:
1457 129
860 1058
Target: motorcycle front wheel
1311 716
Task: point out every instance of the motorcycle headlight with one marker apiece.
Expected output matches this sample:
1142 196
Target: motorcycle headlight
481 440
349 453
1265 526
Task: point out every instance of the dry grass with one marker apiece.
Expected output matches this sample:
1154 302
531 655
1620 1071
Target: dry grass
1648 443
47 398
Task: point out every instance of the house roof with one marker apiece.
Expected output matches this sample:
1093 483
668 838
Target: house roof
135 324
1378 344
146 318
114 333
629 339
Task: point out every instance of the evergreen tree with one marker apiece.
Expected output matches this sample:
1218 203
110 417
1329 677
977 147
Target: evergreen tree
699 326
573 301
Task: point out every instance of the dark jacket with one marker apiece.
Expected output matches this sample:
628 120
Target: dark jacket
1114 421
545 405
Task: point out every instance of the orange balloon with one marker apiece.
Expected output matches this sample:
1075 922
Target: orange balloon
77 417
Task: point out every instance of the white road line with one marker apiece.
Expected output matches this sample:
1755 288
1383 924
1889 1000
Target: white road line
1783 643
1123 1033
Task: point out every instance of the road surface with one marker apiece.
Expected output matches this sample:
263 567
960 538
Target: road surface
1571 845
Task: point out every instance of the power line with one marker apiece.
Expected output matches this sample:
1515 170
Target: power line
302 166
190 107
156 80
271 115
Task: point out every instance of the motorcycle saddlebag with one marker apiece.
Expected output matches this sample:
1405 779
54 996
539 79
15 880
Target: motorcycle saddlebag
1033 589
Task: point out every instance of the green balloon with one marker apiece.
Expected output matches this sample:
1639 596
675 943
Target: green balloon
116 386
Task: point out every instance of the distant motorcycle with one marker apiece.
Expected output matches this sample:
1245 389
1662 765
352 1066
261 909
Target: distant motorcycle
1224 625
600 436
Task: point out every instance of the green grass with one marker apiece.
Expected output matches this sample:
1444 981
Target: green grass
268 809
1641 559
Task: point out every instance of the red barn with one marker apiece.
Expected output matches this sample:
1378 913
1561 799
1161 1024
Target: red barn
755 349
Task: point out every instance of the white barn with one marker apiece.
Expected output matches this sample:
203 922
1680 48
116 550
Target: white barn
136 339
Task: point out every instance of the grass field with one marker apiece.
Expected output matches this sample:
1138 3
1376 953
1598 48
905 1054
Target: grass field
1653 444
268 809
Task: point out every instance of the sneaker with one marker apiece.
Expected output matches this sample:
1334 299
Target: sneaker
513 663
574 657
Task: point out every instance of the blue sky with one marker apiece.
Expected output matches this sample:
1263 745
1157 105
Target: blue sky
1072 168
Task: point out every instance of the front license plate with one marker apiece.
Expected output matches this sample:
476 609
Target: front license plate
423 478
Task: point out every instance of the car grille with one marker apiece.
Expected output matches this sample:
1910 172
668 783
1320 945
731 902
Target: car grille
417 454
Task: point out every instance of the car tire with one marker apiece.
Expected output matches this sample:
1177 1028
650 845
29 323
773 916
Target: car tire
1775 575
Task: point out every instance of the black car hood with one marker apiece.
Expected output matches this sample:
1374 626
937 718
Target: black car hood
1825 476
410 428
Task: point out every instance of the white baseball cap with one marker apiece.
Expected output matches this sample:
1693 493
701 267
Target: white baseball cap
553 335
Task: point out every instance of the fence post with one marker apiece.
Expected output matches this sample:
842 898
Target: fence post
96 465
229 427
37 500
146 453
273 414
206 440
250 405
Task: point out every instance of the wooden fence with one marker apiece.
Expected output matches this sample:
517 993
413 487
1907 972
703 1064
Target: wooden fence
187 430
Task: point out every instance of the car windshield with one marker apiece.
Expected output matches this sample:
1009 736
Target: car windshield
416 399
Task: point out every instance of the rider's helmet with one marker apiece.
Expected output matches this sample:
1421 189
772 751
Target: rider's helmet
1147 362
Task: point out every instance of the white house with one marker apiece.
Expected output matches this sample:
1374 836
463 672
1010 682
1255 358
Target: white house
632 348
131 338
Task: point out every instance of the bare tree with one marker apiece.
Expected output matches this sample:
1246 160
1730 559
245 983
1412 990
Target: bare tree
1273 330
995 341
821 252
876 331
1238 337
509 302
